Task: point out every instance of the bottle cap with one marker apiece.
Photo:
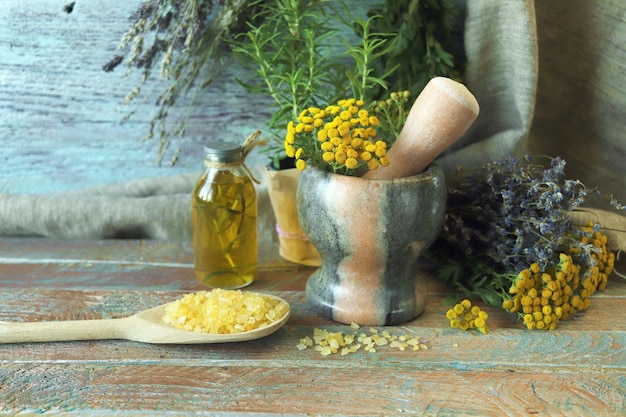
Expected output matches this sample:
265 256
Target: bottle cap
223 152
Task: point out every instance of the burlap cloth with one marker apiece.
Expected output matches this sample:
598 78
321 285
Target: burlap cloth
153 208
549 77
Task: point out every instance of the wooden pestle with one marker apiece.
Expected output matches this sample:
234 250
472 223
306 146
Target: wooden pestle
442 112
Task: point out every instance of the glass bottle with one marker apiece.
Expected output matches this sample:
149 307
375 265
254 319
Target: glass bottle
224 214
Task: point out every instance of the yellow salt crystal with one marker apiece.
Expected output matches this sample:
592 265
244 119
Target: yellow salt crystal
379 341
325 351
412 342
366 340
223 311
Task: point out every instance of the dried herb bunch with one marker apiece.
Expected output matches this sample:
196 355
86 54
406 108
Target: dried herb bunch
184 40
509 240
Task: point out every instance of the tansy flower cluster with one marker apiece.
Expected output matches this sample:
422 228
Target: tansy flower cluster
340 138
543 298
393 111
464 316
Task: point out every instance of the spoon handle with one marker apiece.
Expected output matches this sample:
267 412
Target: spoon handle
58 331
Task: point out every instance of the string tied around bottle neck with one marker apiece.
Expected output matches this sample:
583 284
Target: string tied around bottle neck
248 145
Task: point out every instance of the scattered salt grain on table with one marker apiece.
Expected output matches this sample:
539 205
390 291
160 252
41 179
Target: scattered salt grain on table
328 343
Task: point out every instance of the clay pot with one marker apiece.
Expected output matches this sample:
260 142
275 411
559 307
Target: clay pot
370 233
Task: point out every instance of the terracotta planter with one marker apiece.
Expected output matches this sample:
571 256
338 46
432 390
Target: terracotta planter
370 234
294 245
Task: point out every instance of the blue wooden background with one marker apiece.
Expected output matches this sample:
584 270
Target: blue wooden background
60 112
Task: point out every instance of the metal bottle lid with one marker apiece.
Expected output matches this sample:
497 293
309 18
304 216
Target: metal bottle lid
223 152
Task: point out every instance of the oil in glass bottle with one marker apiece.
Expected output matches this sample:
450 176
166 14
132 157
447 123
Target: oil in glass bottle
224 213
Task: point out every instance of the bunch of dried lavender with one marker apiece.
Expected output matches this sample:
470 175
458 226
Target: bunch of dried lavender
184 41
510 213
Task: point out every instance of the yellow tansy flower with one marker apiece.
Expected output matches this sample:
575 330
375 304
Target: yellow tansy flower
345 115
327 146
352 153
366 156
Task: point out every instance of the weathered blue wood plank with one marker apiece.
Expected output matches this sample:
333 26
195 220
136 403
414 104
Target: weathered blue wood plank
60 112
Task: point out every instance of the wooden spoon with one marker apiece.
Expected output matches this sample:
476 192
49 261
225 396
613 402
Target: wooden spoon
146 327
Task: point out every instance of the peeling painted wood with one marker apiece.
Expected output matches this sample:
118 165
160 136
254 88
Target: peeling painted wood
118 388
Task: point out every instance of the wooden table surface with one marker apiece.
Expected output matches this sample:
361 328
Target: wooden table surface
576 370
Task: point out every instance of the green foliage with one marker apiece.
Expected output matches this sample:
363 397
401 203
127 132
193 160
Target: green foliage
363 76
392 113
422 30
300 52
